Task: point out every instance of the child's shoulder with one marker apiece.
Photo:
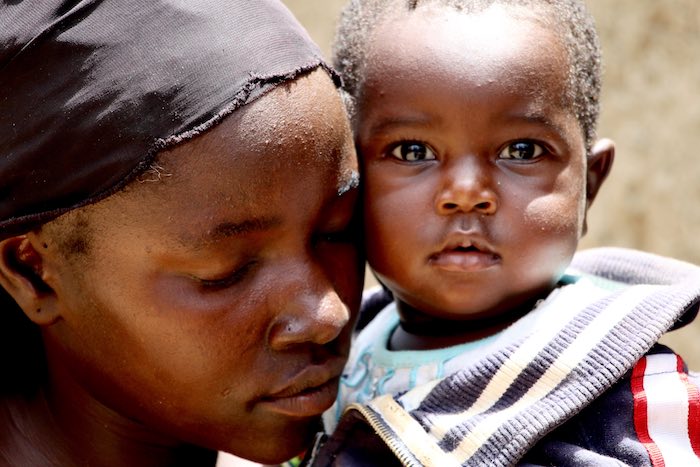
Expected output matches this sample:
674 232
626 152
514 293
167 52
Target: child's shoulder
629 266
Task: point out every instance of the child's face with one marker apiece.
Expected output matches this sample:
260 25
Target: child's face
216 305
474 163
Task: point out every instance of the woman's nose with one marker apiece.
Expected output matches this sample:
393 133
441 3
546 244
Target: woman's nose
310 311
466 186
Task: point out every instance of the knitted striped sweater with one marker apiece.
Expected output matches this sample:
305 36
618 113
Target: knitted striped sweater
572 392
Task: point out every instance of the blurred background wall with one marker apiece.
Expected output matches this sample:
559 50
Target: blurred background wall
651 109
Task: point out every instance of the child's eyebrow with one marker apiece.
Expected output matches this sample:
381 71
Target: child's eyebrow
541 120
388 123
534 117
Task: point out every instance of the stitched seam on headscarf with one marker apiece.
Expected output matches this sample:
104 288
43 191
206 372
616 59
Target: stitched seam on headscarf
20 224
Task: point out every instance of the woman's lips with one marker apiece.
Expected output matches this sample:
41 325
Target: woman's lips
309 393
310 402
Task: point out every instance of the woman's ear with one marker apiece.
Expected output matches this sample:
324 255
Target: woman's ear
22 275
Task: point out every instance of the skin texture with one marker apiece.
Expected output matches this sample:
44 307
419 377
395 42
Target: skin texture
212 308
477 179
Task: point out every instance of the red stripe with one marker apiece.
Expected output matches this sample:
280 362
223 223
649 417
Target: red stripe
693 407
640 414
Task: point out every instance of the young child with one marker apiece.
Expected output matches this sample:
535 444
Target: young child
475 126
177 188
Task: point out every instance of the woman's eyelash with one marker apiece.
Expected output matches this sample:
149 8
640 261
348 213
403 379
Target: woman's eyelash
236 276
347 234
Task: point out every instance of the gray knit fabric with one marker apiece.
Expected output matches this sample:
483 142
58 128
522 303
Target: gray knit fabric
494 411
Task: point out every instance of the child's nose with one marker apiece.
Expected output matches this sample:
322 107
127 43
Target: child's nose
307 309
466 186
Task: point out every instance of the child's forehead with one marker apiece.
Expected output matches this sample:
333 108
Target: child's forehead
498 44
494 30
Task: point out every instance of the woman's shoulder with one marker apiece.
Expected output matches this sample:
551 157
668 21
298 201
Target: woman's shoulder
27 436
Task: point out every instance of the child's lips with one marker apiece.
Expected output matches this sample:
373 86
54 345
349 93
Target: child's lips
464 255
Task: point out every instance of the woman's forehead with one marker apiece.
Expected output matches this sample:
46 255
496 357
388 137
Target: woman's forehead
297 109
304 120
296 131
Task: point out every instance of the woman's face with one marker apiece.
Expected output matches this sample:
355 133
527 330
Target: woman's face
214 305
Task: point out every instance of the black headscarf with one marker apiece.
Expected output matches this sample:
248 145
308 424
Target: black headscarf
91 90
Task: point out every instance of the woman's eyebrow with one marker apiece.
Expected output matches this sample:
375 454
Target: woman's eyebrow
230 229
226 230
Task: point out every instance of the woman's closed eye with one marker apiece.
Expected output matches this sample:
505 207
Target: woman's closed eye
412 151
341 236
228 280
521 150
347 231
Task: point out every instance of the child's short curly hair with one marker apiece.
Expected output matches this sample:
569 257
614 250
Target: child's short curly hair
569 18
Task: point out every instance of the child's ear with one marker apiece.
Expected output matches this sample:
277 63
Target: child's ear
22 275
599 164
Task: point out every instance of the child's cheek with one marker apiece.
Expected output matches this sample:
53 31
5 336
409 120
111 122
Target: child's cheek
556 214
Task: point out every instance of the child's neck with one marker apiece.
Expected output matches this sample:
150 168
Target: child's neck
419 331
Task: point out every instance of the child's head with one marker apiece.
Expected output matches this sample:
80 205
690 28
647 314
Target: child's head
474 123
569 19
193 282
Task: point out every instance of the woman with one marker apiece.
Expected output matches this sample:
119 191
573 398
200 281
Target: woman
178 275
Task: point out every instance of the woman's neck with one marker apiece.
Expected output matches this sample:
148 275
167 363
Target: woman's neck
52 429
28 435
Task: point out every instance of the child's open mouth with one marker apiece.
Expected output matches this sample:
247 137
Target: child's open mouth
464 256
466 248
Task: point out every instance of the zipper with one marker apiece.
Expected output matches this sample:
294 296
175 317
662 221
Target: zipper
403 454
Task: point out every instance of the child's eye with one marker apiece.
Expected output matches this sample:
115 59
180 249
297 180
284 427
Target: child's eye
521 150
412 151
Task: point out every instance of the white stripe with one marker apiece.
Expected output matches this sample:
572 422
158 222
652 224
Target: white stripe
667 411
412 399
566 361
